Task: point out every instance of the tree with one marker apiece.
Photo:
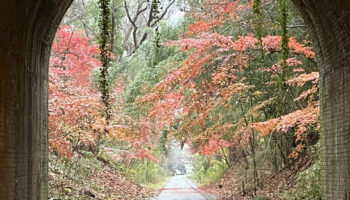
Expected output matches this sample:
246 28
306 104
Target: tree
74 105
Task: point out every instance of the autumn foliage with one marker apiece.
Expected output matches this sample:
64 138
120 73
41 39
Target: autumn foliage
234 84
227 90
75 109
216 72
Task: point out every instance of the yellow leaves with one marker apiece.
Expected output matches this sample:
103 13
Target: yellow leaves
99 125
121 132
257 93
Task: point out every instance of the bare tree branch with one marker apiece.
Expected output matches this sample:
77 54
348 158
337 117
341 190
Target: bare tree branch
150 21
163 14
133 20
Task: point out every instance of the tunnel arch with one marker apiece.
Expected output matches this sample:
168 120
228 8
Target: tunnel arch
27 29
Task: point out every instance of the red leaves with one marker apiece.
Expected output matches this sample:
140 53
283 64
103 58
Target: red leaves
271 43
142 154
166 111
230 7
215 14
73 105
213 146
73 55
198 27
213 74
244 43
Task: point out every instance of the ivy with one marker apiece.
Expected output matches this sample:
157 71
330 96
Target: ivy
104 25
283 22
282 87
155 7
258 27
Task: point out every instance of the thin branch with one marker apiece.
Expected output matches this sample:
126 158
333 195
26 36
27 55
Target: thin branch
133 21
163 14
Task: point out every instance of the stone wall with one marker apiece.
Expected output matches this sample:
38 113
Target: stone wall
26 32
329 23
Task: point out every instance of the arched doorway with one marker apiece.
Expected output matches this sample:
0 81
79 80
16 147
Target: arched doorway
26 33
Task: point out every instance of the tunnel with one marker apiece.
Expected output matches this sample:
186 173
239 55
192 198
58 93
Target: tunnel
27 29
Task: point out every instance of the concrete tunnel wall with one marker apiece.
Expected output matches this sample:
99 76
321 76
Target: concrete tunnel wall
27 28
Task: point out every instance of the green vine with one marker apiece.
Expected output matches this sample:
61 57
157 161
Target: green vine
155 7
259 26
104 25
283 22
282 87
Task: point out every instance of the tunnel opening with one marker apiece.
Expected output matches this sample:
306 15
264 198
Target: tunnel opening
86 141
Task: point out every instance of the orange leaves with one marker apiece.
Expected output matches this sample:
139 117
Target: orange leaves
224 76
304 78
299 120
300 48
198 27
306 93
123 133
62 147
296 151
229 7
273 43
265 127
